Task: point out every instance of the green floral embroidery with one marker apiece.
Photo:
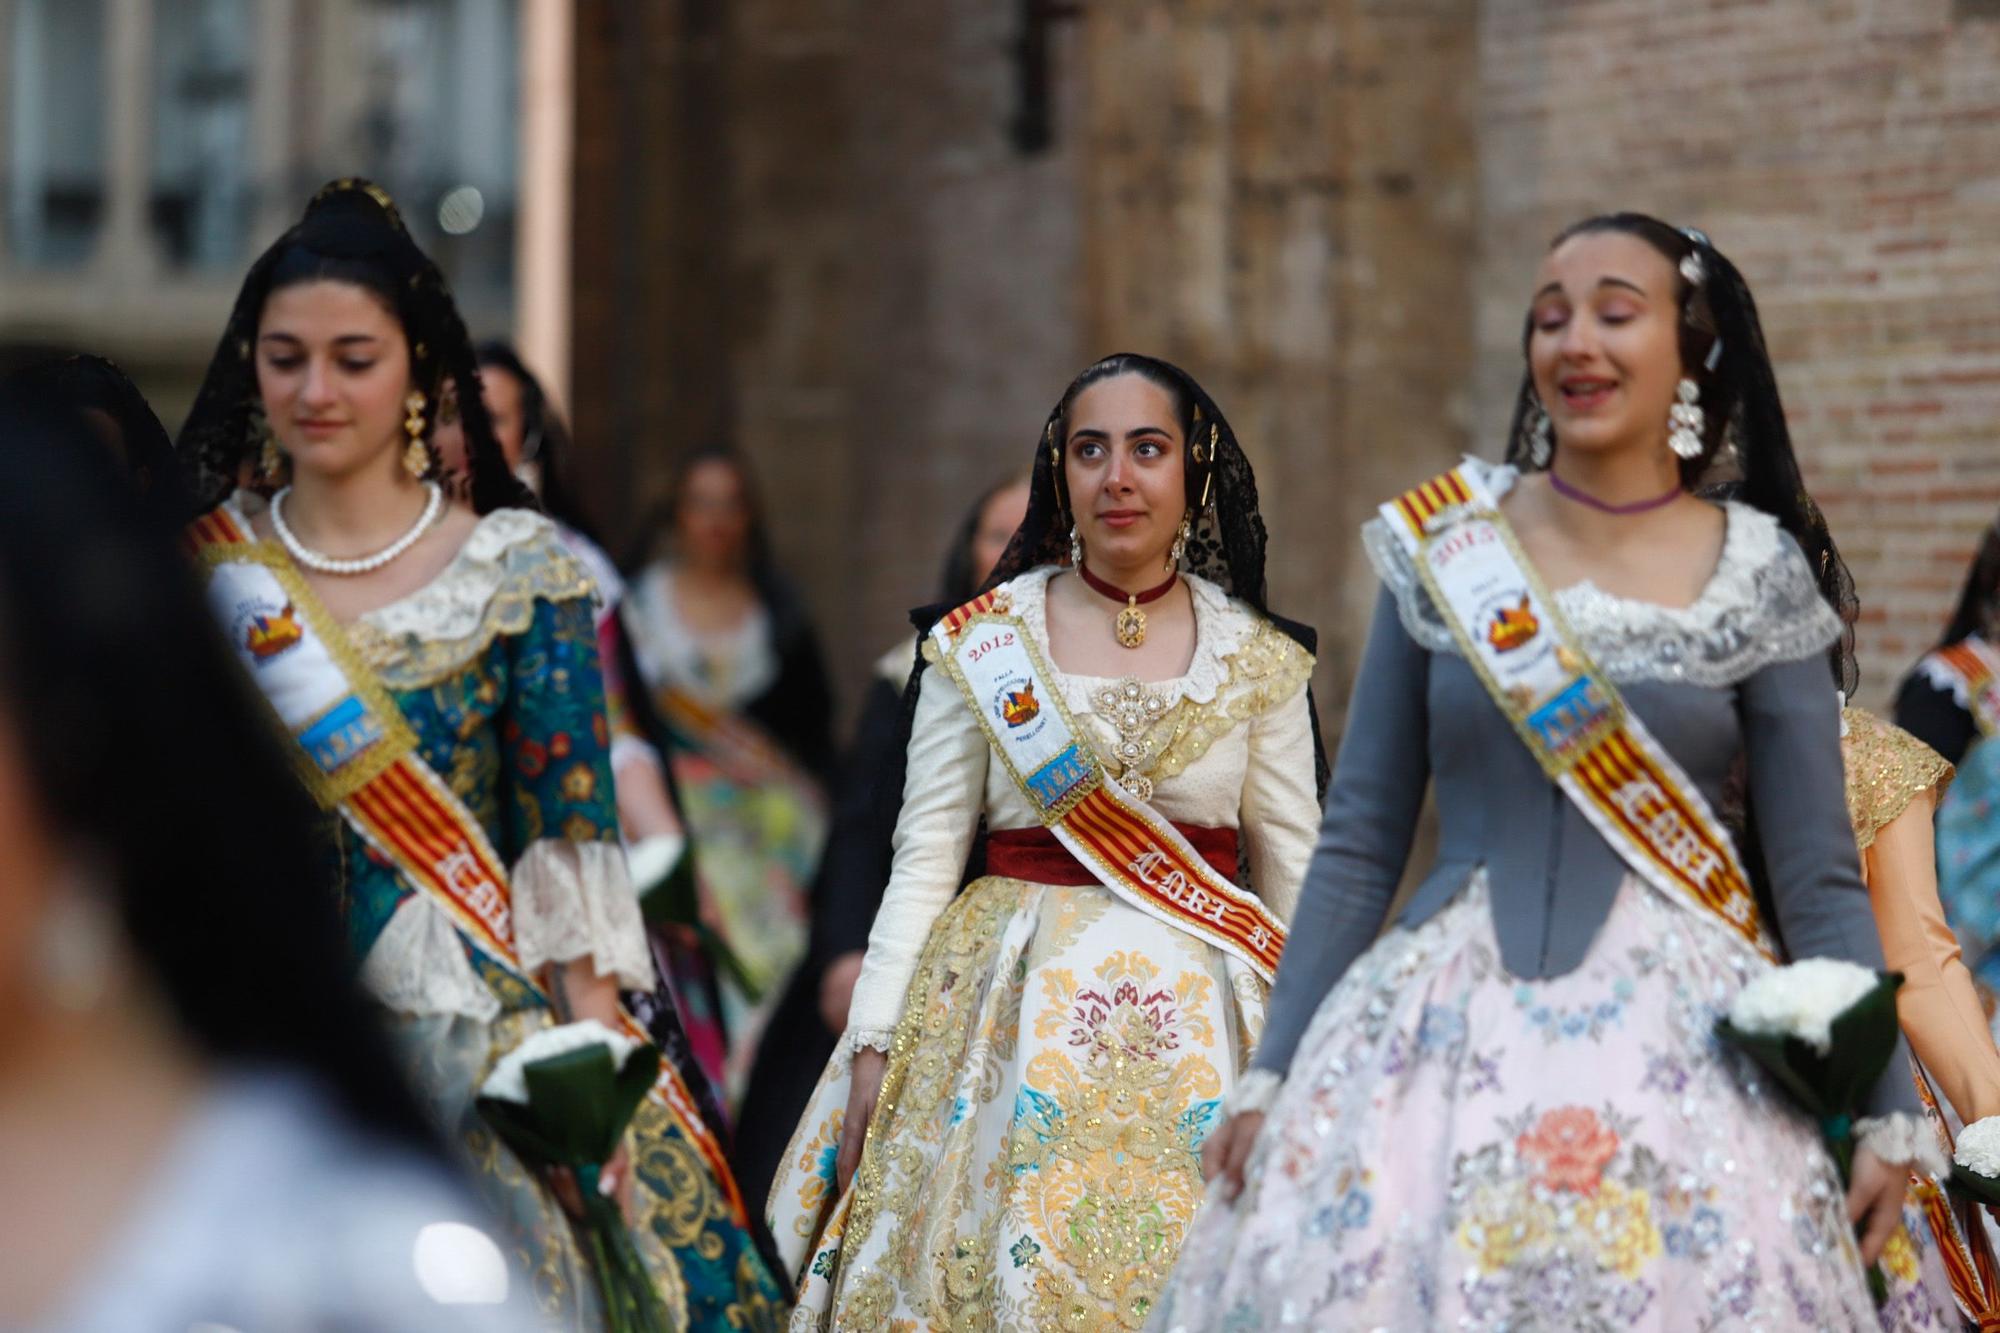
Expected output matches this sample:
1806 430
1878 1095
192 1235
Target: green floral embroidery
1024 1251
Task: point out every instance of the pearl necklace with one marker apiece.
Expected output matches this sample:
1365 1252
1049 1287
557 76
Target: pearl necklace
326 564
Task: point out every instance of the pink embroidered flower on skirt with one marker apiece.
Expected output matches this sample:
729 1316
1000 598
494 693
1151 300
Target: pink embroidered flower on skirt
1572 1147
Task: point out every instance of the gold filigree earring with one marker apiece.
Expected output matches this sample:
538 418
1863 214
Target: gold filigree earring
1179 548
417 454
270 458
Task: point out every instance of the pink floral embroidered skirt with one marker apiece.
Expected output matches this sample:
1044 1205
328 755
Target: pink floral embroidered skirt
1456 1148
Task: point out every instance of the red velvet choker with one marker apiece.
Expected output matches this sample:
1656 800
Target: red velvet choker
1131 623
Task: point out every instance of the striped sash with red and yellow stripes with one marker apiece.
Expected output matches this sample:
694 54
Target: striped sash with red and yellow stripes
1564 709
1123 841
358 755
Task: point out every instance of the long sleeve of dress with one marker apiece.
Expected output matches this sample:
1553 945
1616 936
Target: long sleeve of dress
943 795
1365 835
1791 725
1938 1006
1280 807
572 895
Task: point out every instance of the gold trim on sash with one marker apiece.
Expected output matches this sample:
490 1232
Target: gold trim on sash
1565 710
1124 842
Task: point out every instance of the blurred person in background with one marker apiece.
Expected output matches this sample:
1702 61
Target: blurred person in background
855 867
435 660
729 659
1951 702
200 1123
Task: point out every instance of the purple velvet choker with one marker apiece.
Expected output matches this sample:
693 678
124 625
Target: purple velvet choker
1570 492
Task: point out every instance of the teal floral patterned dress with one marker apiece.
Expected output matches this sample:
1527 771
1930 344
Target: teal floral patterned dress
495 666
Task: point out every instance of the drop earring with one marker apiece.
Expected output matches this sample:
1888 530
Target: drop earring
1684 420
1075 548
417 454
1540 433
1179 548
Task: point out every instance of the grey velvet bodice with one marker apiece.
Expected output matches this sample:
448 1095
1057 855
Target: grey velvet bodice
1742 673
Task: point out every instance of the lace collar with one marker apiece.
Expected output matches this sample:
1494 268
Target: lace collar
510 559
1221 625
1760 606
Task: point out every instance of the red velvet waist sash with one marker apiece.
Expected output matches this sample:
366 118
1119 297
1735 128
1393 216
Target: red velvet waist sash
1033 854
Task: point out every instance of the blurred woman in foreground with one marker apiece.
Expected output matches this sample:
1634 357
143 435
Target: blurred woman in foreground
198 1122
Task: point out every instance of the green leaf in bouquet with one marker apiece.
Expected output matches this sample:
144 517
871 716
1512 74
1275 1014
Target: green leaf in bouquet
674 899
1980 1189
521 1130
1791 1064
578 1091
1864 1040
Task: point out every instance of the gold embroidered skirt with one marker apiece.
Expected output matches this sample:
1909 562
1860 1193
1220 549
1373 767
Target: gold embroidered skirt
1034 1160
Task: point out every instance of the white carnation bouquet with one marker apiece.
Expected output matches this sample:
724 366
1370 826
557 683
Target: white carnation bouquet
1824 1030
1975 1168
563 1097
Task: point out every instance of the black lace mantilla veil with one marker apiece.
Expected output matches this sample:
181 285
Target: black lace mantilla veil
352 224
1226 545
1747 450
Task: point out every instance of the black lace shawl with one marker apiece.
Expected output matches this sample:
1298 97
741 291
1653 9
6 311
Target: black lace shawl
349 223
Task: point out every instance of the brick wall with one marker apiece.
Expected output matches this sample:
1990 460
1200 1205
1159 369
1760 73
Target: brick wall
1846 154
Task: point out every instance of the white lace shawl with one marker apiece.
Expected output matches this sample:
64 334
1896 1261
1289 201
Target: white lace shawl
1232 749
1760 607
571 899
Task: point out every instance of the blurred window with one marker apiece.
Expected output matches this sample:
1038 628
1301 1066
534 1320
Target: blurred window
55 131
440 129
200 203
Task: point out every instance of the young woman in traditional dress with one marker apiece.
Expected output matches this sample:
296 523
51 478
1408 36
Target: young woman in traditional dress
1512 1109
1036 1062
732 665
437 664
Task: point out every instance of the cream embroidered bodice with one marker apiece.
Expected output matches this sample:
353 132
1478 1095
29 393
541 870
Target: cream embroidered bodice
1228 744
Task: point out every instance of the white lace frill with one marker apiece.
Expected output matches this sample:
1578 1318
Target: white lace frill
1760 607
512 559
856 1040
1939 675
1903 1138
418 966
575 900
1256 1091
571 900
